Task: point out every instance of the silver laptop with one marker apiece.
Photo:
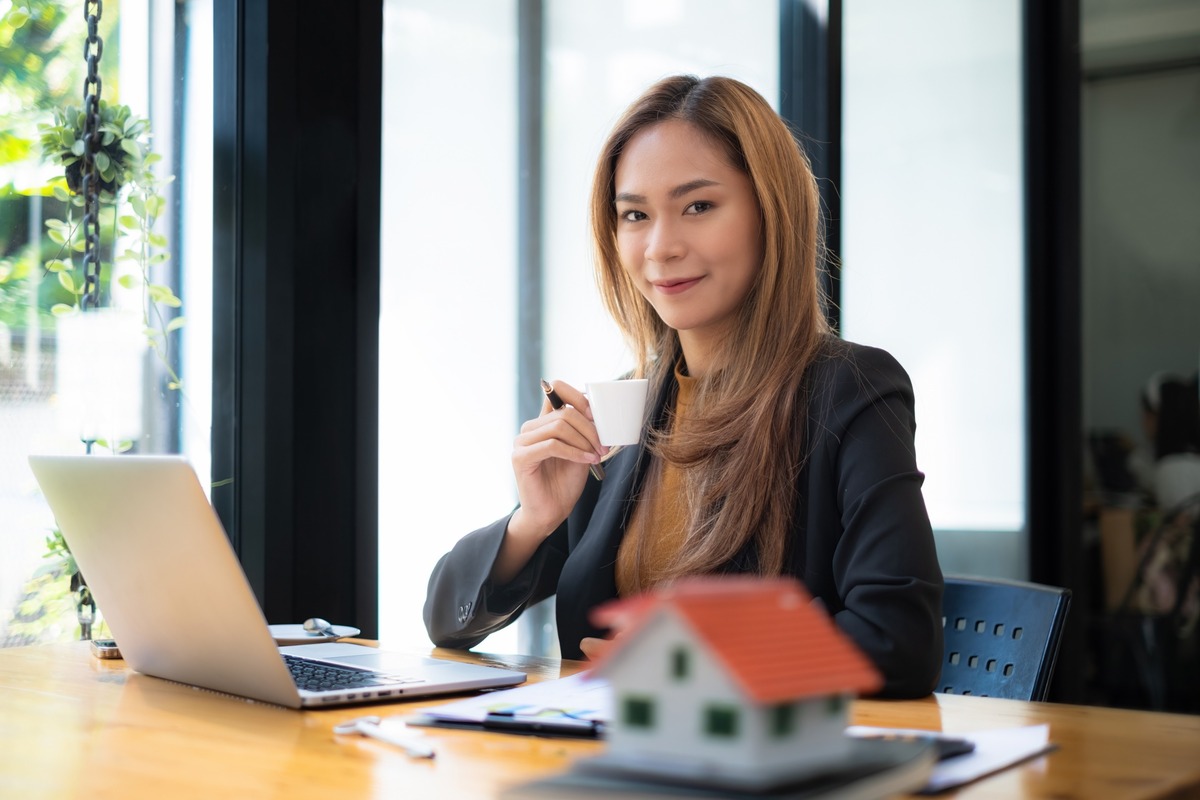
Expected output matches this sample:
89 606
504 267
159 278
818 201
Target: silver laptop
167 581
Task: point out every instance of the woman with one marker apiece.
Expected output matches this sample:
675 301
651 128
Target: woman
773 447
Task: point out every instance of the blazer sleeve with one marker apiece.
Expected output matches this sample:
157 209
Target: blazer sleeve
884 565
462 607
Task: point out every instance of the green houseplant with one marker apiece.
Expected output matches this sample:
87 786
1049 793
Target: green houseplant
131 202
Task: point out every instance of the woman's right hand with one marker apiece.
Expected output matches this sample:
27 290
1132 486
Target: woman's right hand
550 459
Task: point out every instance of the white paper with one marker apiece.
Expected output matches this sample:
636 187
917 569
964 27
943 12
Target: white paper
994 750
580 696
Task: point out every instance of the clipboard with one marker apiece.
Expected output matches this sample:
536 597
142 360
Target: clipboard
575 707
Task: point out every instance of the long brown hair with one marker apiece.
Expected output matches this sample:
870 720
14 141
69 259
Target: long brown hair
742 442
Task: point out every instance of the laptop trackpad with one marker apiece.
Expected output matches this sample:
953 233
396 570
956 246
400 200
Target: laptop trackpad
357 655
383 661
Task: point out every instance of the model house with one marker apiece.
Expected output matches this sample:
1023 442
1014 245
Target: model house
738 678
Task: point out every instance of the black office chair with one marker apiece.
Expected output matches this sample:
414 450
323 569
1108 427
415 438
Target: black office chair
1002 637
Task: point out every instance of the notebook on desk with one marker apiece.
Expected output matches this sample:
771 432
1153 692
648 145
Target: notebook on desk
170 586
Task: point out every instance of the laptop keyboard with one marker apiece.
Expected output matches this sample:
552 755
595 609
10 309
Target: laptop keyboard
318 677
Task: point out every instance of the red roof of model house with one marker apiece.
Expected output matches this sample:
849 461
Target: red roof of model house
770 638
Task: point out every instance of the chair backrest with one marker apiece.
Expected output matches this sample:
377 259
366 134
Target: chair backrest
1002 637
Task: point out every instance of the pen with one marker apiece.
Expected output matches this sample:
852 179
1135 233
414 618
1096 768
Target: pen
557 403
552 726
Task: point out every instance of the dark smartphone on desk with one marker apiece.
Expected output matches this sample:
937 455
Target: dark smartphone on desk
105 648
943 746
950 746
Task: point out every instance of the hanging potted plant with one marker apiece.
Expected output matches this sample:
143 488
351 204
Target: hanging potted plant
125 169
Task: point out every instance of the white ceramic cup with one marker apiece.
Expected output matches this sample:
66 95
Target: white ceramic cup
619 409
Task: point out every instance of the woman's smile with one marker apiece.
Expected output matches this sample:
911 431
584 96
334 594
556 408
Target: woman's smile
675 285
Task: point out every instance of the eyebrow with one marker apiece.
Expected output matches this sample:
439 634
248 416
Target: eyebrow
676 193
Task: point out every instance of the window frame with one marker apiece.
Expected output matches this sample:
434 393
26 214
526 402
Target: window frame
295 458
295 408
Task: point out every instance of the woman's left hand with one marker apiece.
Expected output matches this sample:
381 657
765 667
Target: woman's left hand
617 618
594 648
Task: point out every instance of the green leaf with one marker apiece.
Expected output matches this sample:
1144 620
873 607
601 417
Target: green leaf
57 236
79 246
138 205
160 258
163 294
127 281
67 281
57 225
61 194
131 147
129 222
77 147
58 265
157 240
176 324
18 17
61 309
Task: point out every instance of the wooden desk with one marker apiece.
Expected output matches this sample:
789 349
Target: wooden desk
74 726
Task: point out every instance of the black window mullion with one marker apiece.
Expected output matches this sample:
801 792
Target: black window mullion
810 100
296 302
1053 338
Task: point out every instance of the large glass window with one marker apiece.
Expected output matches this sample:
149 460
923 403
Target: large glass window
65 376
933 242
448 288
448 330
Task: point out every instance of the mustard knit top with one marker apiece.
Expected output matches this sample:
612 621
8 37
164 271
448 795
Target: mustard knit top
660 515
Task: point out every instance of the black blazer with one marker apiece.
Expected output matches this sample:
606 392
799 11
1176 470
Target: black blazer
861 541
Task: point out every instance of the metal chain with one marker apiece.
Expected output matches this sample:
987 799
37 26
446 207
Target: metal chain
93 49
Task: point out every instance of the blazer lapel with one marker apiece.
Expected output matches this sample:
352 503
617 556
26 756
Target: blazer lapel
589 574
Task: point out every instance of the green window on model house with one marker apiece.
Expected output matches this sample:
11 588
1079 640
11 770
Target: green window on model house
638 712
680 663
721 721
782 720
835 704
